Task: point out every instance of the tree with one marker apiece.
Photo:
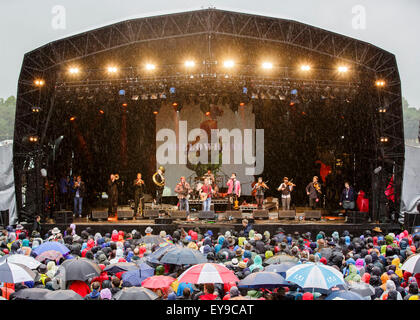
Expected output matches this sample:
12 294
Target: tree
7 117
411 121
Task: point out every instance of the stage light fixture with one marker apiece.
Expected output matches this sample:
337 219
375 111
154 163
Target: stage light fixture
36 109
380 83
101 111
267 65
343 69
124 104
228 63
189 64
384 139
72 118
39 82
305 67
150 66
382 110
112 69
74 70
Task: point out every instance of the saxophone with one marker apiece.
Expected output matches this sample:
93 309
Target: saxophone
159 184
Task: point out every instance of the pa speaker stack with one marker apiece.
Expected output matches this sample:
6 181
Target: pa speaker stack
208 215
125 213
63 217
100 214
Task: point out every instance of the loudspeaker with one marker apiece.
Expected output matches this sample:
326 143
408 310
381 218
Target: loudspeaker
261 213
411 220
287 214
235 214
357 216
4 218
210 215
63 217
313 214
99 215
178 214
125 213
151 213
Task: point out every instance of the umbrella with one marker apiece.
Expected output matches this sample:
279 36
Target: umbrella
156 255
361 288
15 273
263 279
314 276
120 267
135 293
326 253
208 273
157 282
280 268
152 239
50 255
62 295
344 295
182 256
135 277
30 294
79 269
280 258
27 261
412 264
52 245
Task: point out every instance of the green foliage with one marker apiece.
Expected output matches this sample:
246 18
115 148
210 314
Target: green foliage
7 117
411 121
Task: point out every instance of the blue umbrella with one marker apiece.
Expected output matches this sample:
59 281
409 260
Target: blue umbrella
263 279
181 256
156 255
136 277
280 268
344 295
52 245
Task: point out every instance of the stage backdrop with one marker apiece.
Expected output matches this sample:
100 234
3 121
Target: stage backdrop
411 183
170 123
7 181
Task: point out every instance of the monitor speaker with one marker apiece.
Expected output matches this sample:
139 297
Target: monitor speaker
287 214
235 214
260 213
99 215
210 215
313 214
124 213
151 213
178 214
63 217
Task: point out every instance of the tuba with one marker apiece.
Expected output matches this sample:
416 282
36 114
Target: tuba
159 184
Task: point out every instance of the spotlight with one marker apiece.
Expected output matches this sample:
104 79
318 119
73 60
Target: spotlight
33 139
305 67
384 139
101 111
189 63
72 118
228 63
207 113
124 104
73 70
242 104
380 83
343 69
112 69
39 82
382 110
267 65
36 109
150 66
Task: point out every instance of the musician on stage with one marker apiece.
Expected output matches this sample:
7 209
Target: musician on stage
286 189
260 188
159 180
234 189
313 190
206 194
139 188
79 188
183 189
347 199
112 195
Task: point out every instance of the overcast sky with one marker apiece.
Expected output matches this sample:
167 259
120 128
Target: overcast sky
390 24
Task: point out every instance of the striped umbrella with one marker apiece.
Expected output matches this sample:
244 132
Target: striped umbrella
412 264
344 295
207 273
315 276
15 273
27 261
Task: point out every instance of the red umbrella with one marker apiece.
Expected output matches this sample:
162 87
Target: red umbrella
208 273
157 282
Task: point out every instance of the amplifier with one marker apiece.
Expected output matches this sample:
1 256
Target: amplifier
260 213
63 217
125 214
178 214
210 215
313 214
235 214
151 213
99 215
287 214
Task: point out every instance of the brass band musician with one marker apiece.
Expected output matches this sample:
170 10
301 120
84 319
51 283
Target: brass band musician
159 180
139 189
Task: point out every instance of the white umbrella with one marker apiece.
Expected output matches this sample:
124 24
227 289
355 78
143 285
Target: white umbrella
27 261
15 273
412 264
